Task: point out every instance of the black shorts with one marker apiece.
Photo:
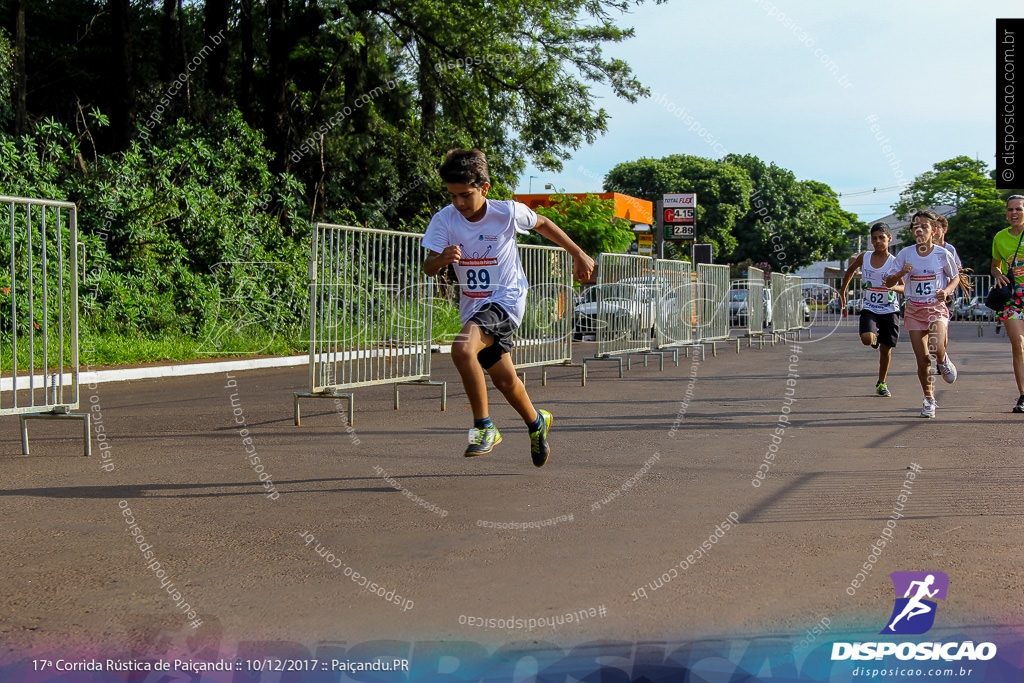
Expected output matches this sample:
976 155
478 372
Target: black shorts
494 320
885 326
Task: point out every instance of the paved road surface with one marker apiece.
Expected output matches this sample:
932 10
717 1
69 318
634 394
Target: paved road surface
643 471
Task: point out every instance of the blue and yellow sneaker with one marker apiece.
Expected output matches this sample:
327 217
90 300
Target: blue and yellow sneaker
482 441
539 439
882 390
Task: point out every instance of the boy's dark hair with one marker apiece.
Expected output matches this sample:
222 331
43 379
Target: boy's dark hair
881 227
466 166
926 213
943 221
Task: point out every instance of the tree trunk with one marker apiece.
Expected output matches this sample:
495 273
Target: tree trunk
216 25
21 75
276 90
245 97
169 55
123 117
428 94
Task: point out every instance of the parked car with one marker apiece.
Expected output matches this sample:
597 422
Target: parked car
960 309
806 308
738 306
854 305
623 308
979 311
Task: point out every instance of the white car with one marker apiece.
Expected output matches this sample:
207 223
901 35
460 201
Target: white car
623 308
738 306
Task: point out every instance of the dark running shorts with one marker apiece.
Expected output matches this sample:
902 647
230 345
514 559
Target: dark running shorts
886 326
494 320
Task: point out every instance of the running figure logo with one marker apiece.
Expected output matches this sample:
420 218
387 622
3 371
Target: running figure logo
914 612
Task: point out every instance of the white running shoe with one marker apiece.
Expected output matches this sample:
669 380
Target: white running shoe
928 409
948 370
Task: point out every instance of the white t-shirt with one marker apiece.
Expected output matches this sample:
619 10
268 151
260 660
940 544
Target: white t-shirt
877 297
490 270
930 274
952 250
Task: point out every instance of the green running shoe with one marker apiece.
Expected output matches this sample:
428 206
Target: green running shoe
482 441
882 390
539 439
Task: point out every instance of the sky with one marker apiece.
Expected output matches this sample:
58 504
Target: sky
817 88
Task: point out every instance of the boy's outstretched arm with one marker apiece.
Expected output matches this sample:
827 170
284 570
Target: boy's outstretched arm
582 264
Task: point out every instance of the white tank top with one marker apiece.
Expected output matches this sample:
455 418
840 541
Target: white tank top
877 297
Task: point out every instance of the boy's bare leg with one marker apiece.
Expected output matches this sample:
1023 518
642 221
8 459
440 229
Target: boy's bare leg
503 375
469 342
884 359
868 339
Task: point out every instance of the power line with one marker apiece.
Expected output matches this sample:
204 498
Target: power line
874 190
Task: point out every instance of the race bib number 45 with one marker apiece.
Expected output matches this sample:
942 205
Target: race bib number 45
922 287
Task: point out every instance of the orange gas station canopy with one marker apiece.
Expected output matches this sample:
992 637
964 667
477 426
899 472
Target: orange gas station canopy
632 209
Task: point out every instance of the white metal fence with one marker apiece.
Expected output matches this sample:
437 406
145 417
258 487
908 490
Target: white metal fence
712 302
371 313
676 315
822 299
545 335
621 310
39 312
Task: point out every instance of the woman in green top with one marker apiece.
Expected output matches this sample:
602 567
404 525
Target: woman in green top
1007 250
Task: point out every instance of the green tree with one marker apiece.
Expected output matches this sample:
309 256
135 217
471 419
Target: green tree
967 185
791 223
6 79
723 191
828 228
951 182
590 222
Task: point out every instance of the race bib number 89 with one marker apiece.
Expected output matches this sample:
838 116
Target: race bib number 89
479 276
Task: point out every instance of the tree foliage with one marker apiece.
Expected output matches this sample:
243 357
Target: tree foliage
590 222
791 223
723 191
359 100
966 184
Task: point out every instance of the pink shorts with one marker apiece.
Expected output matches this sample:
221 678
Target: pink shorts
920 317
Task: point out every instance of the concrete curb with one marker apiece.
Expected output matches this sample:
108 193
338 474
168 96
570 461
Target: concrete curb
87 376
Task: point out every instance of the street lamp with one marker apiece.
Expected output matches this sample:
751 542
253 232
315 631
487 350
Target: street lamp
530 191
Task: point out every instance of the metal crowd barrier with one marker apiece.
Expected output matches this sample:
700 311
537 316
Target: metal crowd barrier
39 313
779 284
712 302
676 315
371 313
624 307
795 303
545 336
787 305
750 307
966 309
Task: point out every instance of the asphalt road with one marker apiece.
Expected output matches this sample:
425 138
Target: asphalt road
643 471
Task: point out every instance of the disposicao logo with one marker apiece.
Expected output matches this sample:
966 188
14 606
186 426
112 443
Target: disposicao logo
913 613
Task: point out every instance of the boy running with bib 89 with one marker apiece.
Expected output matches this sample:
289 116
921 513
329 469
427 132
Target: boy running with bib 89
477 236
879 318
